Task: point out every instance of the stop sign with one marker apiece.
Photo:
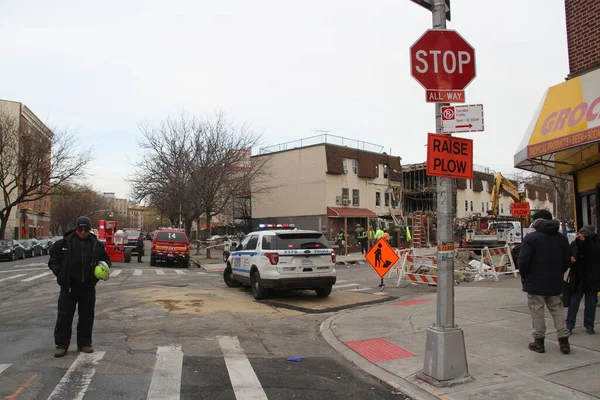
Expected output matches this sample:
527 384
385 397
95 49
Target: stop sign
442 60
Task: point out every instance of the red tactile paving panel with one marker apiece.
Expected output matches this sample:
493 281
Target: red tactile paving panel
410 302
376 350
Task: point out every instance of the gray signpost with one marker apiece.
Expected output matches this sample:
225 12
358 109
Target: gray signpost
445 362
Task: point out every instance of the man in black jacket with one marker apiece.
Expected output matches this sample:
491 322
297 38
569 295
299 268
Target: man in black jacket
139 247
72 260
545 256
585 278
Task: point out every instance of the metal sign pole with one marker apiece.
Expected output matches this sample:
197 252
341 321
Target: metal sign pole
445 353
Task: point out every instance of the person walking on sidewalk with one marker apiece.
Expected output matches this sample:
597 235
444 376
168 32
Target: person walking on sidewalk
585 278
72 260
545 256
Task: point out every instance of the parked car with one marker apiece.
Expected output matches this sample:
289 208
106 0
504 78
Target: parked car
32 248
132 236
45 243
11 250
170 245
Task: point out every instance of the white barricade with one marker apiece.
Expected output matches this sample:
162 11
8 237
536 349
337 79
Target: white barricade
402 253
409 269
505 266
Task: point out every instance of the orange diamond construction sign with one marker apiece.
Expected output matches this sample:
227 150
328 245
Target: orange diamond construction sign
382 257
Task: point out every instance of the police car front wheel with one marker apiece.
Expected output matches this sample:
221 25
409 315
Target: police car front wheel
228 278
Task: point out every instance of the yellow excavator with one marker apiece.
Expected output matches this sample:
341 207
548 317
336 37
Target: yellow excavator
503 184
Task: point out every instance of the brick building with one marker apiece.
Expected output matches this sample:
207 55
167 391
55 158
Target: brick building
563 140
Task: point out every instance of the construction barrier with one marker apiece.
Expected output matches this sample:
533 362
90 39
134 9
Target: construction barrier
410 267
402 253
485 267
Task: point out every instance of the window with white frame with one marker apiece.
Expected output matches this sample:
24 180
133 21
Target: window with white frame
345 165
482 207
466 205
388 196
471 204
355 167
501 208
377 199
385 171
355 197
345 193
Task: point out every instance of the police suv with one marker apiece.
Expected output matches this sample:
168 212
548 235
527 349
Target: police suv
282 259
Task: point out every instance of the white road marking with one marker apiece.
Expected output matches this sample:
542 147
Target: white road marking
3 367
137 272
348 285
180 272
27 269
340 281
166 379
36 277
201 273
380 294
115 272
359 290
244 381
12 277
31 265
160 272
76 380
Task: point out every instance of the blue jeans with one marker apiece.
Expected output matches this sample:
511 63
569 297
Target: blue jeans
589 311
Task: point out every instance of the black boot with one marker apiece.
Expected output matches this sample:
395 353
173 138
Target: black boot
538 345
565 348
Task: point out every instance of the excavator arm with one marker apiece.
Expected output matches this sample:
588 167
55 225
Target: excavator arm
500 184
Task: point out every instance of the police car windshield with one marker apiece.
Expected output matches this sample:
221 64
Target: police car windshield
306 240
171 236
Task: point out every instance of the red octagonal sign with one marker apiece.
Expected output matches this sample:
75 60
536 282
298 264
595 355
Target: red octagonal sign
444 64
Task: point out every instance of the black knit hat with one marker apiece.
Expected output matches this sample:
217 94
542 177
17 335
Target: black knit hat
83 221
588 230
542 214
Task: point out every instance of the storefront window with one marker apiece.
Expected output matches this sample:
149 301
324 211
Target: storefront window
589 214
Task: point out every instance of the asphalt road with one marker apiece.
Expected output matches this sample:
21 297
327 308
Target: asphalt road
167 332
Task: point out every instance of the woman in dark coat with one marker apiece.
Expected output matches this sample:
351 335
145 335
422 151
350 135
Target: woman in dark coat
585 278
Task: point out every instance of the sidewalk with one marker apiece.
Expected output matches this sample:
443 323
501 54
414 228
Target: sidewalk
389 342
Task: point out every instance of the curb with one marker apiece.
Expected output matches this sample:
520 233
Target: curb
396 382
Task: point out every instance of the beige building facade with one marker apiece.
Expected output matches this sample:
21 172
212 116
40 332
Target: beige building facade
328 187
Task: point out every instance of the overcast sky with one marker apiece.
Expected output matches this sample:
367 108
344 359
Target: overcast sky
285 67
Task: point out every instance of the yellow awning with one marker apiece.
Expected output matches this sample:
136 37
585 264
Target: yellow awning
566 122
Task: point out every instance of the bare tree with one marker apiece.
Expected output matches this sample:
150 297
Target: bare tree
70 201
223 166
33 162
196 167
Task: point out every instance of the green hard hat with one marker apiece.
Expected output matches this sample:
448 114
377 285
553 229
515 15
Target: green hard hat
102 271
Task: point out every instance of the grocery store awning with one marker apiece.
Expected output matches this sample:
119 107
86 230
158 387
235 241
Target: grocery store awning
341 212
566 122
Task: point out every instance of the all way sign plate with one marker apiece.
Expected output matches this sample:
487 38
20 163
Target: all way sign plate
467 118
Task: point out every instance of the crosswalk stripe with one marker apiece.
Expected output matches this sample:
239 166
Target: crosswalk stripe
115 272
340 281
137 272
21 270
36 277
343 286
3 367
360 290
179 272
244 381
160 272
30 265
76 380
12 277
166 379
201 273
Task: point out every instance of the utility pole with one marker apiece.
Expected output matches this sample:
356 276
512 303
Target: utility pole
445 361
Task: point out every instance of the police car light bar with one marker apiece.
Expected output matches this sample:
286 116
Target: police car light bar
276 226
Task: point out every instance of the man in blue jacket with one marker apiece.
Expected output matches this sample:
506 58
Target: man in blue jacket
72 260
545 256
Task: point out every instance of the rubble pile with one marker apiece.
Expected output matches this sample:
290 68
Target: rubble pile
466 264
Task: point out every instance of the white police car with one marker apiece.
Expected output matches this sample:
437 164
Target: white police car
282 260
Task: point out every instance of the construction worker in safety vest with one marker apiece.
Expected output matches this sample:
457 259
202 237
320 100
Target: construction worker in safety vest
378 234
341 242
370 237
362 239
386 235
